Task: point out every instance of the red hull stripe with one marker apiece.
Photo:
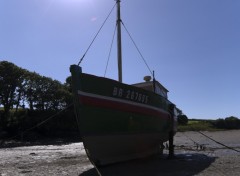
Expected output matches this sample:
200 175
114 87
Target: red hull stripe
121 105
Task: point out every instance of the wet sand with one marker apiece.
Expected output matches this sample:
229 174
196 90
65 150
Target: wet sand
208 158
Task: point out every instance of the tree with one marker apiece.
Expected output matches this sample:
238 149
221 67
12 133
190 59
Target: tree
232 122
41 95
182 119
11 82
68 83
31 86
21 89
228 123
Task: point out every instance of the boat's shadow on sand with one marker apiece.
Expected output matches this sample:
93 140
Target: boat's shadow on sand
182 165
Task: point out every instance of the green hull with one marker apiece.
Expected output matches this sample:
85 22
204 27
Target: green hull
115 119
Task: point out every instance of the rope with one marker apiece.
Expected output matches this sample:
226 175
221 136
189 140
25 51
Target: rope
231 148
96 35
110 50
137 48
196 143
39 124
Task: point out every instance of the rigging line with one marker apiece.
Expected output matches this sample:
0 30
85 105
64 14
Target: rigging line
198 144
137 48
39 124
231 148
96 35
110 50
192 140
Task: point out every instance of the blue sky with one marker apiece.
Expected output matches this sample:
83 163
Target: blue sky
193 45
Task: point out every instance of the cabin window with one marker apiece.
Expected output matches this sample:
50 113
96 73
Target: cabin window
161 91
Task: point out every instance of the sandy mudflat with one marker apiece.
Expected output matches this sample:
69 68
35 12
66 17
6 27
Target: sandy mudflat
191 159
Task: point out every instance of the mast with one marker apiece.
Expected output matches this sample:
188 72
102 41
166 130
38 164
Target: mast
119 42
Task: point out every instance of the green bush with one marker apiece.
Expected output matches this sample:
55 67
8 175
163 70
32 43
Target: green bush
55 124
228 123
182 120
197 125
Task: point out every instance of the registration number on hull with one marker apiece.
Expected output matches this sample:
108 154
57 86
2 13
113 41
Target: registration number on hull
130 95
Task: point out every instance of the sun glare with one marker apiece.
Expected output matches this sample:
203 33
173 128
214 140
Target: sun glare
76 1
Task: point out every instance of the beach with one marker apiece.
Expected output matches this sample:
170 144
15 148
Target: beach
195 154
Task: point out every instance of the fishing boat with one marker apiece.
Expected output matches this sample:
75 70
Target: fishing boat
120 122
